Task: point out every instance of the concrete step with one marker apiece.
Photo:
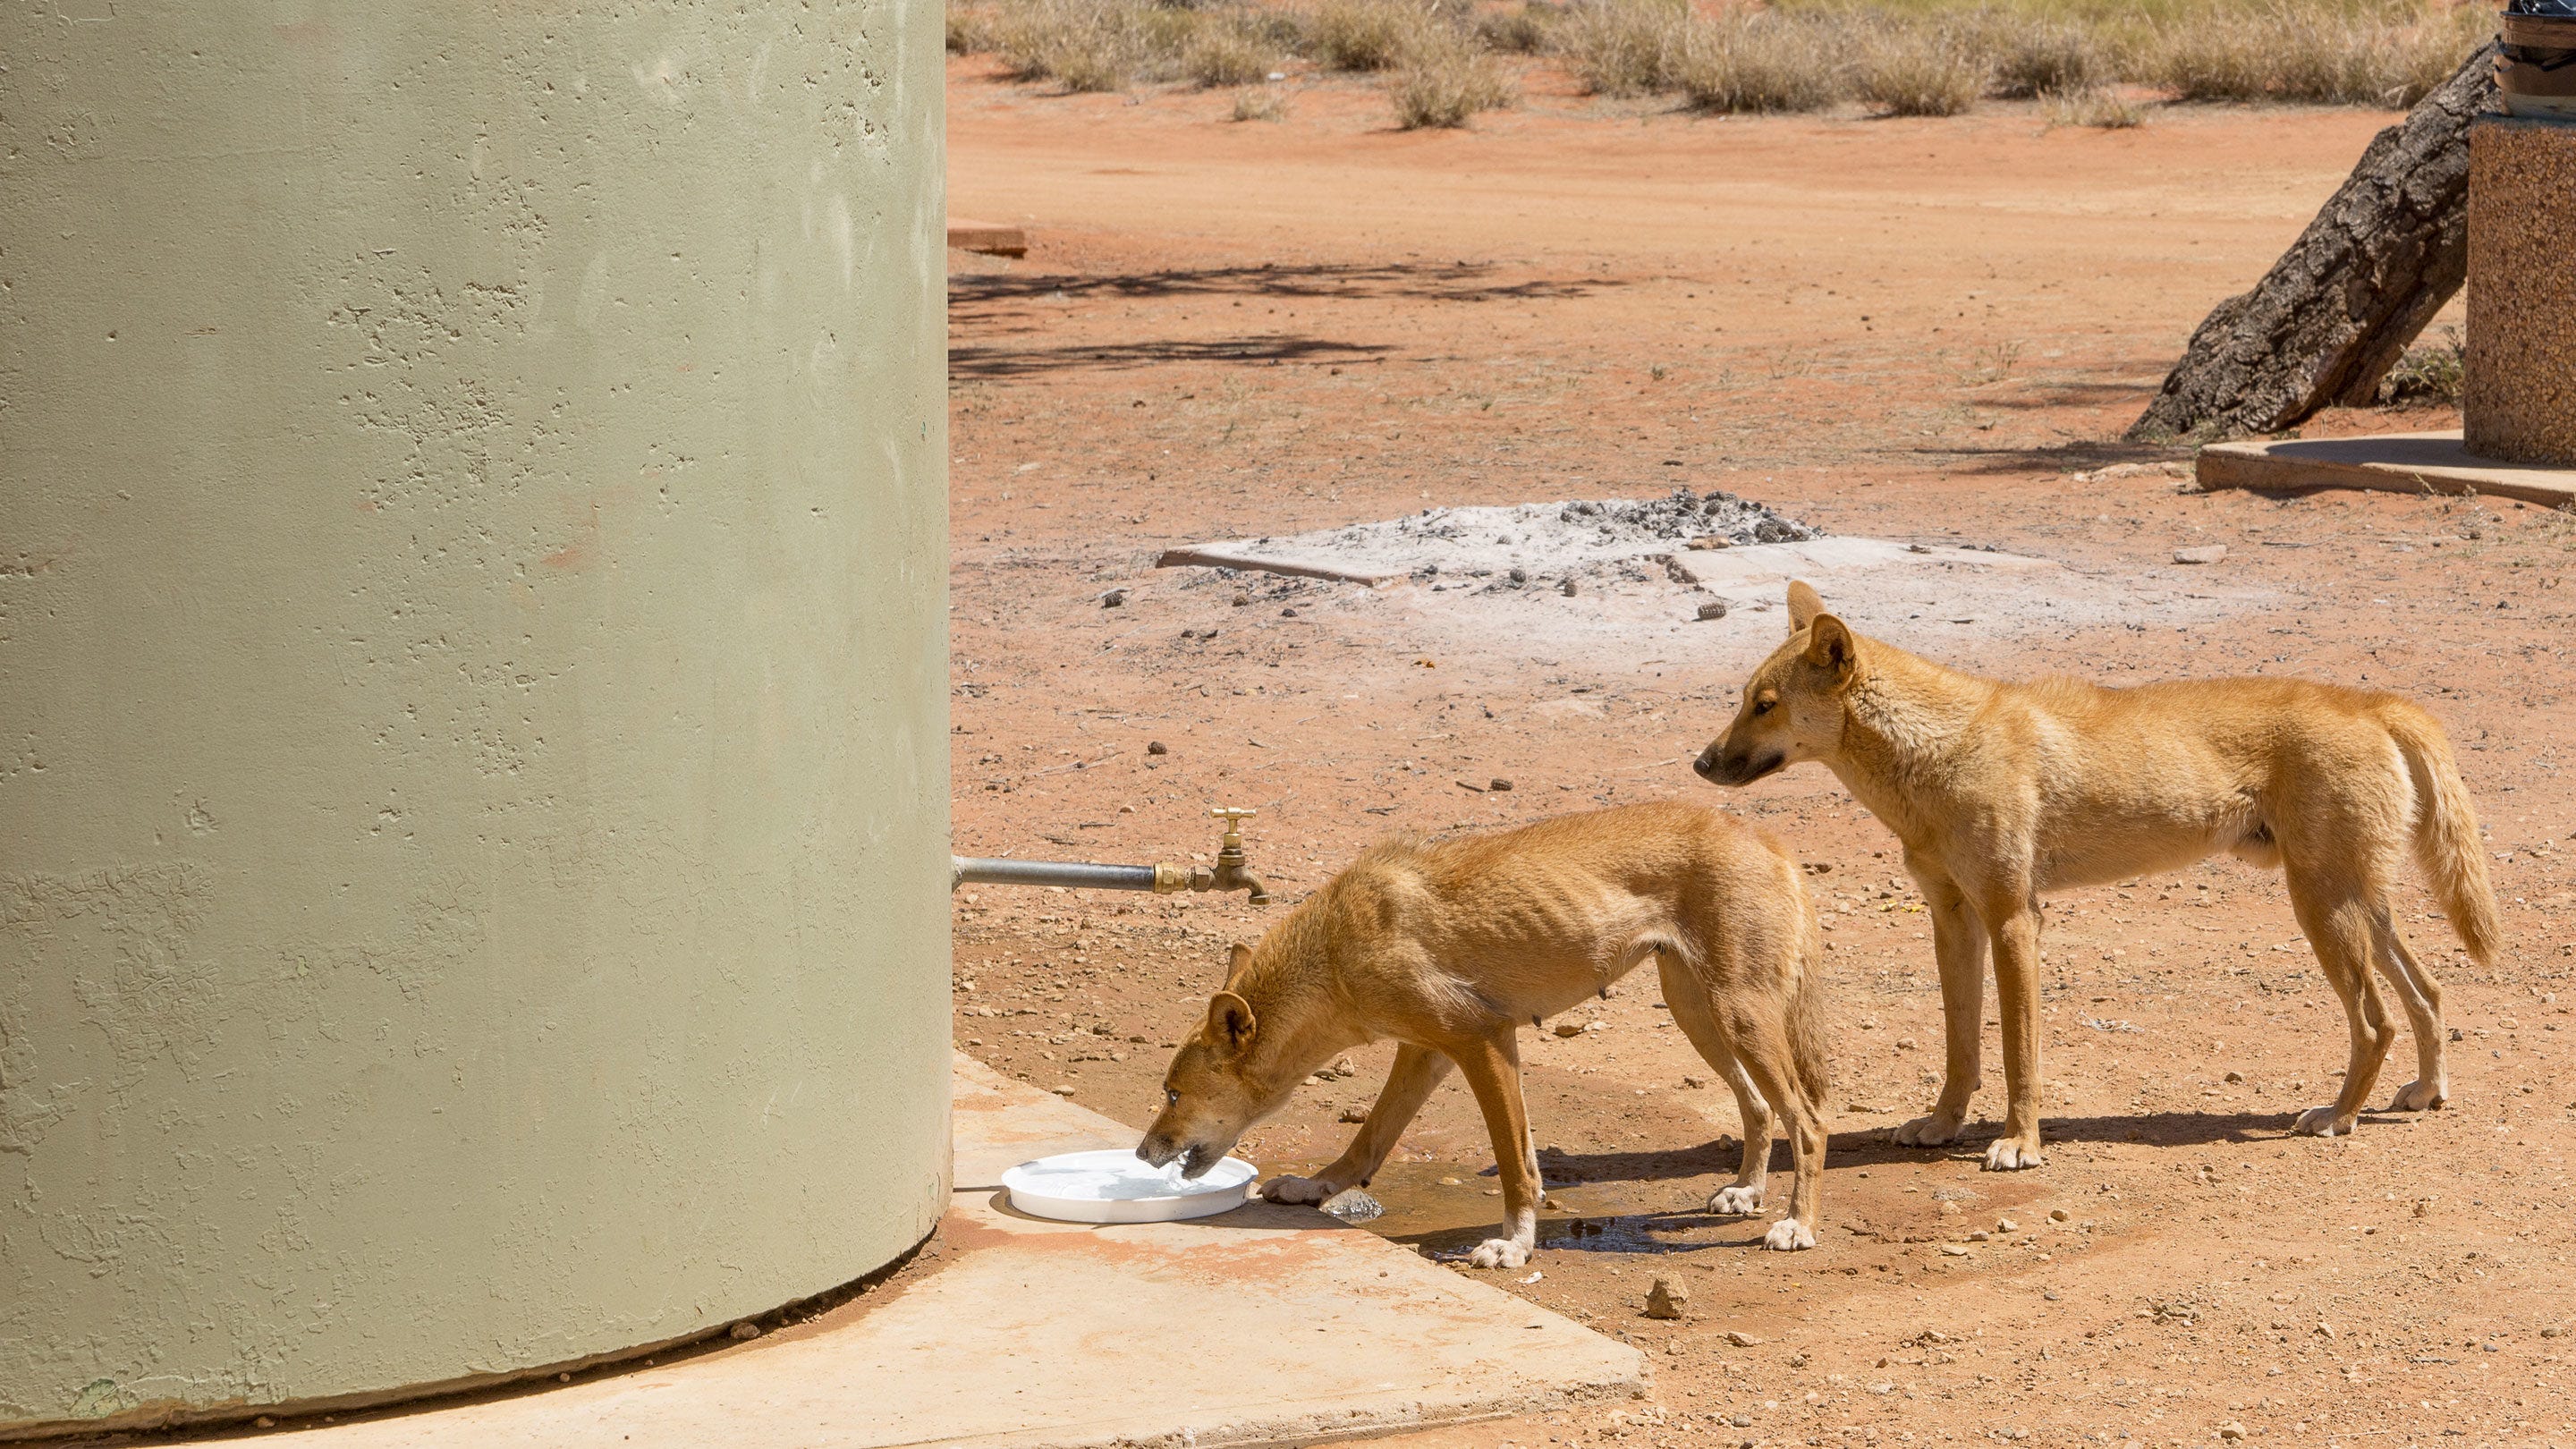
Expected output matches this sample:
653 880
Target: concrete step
990 237
2386 462
1265 1325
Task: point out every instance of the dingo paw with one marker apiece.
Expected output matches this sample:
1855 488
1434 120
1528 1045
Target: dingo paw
1788 1236
1736 1202
2322 1122
1499 1253
1933 1131
2420 1096
1308 1190
2006 1154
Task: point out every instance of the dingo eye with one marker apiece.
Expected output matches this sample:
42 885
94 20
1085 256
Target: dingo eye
1171 1097
1765 705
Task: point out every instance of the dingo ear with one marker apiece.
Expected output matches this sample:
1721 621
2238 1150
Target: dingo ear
1237 957
1230 1022
1804 605
1829 643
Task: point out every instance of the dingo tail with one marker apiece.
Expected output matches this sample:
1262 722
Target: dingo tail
2447 845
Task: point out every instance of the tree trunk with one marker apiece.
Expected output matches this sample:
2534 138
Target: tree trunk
2331 317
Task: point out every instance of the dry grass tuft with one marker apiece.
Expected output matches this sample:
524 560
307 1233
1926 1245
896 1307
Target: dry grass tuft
1921 68
1628 47
1528 29
1229 50
1260 103
2208 58
2047 58
1082 45
2095 106
1761 63
1903 57
972 30
2431 373
2311 50
1367 34
1446 80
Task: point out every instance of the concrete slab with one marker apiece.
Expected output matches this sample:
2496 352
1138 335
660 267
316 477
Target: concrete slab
2387 462
990 237
1750 567
1267 1325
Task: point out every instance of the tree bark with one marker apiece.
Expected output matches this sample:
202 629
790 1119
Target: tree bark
2334 313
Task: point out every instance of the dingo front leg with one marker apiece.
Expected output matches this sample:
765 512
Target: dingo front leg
2321 1122
2017 991
1959 946
1789 1236
1306 1190
1409 1083
1492 1067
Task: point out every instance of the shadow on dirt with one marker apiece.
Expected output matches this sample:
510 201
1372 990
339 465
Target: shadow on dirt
2044 396
1620 1235
1005 362
1457 282
998 304
2194 1129
1688 1230
2080 456
1870 1146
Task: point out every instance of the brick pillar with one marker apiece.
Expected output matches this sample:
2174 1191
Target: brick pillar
2519 403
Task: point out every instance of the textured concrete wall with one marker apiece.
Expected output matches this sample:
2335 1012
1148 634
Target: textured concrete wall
473 760
2518 401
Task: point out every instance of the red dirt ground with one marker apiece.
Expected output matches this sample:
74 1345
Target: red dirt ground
1915 329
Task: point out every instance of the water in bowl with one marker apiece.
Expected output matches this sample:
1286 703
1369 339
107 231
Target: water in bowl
1112 1180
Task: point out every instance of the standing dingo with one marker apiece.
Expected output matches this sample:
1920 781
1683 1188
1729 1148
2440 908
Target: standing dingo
1449 947
2002 793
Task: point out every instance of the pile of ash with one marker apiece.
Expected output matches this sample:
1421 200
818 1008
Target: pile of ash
1688 515
1595 538
1566 545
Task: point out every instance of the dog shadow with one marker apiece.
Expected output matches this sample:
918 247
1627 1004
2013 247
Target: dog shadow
1626 1235
2190 1129
1868 1146
1718 1157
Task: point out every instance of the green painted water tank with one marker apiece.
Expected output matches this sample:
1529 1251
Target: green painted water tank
473 732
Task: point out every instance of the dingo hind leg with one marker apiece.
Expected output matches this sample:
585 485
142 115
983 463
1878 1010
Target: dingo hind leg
1757 1032
1689 1004
2337 920
1759 985
1492 1067
2421 995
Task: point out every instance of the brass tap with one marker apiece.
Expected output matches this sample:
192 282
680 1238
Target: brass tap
1229 874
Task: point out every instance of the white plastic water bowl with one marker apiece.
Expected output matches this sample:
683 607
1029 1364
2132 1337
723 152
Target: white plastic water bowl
1117 1186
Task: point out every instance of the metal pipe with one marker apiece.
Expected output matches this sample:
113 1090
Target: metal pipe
1230 873
986 870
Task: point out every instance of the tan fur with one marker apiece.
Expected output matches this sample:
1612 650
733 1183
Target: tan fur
2002 793
1451 948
